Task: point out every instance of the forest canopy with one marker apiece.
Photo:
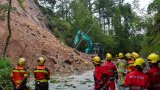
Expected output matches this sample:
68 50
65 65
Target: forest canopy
115 23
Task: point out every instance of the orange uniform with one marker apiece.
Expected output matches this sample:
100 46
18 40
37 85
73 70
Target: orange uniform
42 75
130 67
19 77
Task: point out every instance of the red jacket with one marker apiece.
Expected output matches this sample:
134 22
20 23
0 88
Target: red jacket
19 75
100 77
154 75
137 80
110 68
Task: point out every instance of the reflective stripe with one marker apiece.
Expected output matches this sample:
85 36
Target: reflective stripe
110 70
136 87
155 85
43 80
18 81
25 75
18 70
11 74
44 71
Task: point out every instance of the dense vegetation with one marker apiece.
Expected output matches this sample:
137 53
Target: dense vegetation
115 23
5 69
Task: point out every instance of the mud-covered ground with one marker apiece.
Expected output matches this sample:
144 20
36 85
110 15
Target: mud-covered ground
84 81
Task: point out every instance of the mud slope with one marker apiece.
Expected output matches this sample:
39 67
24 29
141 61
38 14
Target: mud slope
31 39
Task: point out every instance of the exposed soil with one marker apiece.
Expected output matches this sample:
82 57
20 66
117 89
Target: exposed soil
31 39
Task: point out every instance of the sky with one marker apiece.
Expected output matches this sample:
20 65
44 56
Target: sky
143 3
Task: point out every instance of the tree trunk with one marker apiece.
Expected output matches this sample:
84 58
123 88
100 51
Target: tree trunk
9 28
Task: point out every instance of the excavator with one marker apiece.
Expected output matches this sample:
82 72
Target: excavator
92 48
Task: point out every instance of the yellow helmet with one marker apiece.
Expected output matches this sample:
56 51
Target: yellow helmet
21 61
96 60
140 62
41 61
135 55
108 56
128 55
153 58
120 55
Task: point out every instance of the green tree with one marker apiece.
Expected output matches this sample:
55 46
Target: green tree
5 69
152 25
3 10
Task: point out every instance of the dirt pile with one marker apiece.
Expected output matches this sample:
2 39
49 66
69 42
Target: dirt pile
31 39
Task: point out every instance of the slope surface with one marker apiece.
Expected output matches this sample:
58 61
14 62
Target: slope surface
31 39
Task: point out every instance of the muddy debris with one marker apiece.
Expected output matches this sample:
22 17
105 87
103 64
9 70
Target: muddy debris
31 39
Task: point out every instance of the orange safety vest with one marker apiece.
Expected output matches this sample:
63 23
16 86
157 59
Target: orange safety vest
130 67
18 74
42 74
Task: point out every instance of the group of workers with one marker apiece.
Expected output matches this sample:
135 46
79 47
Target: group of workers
19 75
128 71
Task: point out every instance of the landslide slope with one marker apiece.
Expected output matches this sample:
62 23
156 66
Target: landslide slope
31 39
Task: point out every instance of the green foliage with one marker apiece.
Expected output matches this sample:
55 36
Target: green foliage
3 10
82 19
78 15
20 2
152 25
5 69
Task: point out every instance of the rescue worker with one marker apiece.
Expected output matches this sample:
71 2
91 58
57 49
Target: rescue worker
130 62
100 75
121 66
134 55
19 75
128 58
42 75
137 80
112 71
130 66
116 58
154 72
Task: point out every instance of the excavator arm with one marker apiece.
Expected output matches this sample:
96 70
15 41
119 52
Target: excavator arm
84 37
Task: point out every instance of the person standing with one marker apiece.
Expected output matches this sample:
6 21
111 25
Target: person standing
130 66
137 80
42 75
100 75
110 67
19 75
154 72
121 67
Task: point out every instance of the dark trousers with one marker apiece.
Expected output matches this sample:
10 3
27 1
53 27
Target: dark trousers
42 86
24 87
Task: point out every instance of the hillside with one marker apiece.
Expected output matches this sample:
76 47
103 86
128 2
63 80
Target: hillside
31 39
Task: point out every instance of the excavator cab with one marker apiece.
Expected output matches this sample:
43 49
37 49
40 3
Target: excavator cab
93 48
98 49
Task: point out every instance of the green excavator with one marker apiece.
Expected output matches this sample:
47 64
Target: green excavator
92 48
